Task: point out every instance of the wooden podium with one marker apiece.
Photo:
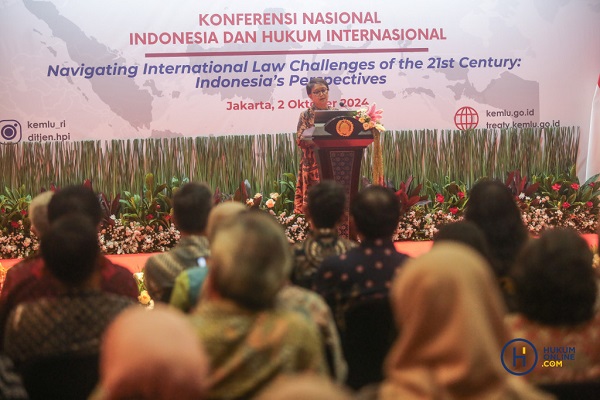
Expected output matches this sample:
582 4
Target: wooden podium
339 145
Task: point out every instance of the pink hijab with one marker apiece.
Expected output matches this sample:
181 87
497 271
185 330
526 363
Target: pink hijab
450 315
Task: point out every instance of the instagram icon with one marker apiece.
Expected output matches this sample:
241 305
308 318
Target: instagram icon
10 131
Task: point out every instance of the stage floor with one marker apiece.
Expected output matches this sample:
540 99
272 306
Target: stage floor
135 262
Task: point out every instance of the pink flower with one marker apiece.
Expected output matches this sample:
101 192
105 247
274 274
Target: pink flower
158 207
556 187
575 186
453 210
23 212
270 203
589 204
566 205
460 195
374 114
439 198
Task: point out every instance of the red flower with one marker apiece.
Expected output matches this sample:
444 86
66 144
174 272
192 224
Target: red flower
14 224
2 210
589 204
556 187
460 195
575 186
149 216
439 198
23 212
453 210
167 217
566 205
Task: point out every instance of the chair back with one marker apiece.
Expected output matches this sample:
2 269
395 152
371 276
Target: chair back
65 377
367 338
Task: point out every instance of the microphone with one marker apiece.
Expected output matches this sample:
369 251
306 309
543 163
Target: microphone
343 104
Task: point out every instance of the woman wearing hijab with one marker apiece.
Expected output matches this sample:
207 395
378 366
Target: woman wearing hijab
450 314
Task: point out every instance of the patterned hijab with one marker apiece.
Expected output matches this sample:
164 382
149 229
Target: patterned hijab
450 313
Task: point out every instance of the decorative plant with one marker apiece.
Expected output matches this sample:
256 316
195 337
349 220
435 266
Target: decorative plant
409 197
152 208
14 206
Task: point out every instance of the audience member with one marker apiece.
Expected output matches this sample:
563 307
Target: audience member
304 387
38 213
464 232
191 206
356 284
54 332
188 284
152 355
325 207
248 342
451 316
365 271
29 280
316 311
493 209
11 384
556 292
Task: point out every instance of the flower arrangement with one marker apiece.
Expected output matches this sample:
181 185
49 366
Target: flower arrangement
143 298
370 117
544 201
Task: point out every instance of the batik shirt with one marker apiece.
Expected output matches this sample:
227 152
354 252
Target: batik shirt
309 254
162 269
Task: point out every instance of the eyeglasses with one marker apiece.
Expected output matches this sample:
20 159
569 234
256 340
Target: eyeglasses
320 92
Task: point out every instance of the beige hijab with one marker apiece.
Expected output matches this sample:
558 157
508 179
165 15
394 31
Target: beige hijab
450 314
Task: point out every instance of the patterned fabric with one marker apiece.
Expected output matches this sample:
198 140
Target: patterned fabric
11 385
162 269
584 339
312 306
309 254
71 324
362 273
28 280
249 349
308 173
188 285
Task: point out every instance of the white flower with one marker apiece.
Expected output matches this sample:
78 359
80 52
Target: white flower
257 195
274 196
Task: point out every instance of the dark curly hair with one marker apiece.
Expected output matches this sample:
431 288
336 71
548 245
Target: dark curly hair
555 280
493 209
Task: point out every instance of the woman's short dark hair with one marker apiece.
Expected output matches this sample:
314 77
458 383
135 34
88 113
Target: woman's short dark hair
70 248
493 209
554 279
314 82
326 202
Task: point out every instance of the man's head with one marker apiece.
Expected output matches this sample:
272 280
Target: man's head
38 213
191 206
326 201
70 248
75 199
376 212
250 260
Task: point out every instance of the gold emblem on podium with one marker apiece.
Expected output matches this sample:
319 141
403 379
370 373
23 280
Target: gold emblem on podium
344 127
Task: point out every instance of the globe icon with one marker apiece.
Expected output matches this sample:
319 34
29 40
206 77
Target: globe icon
466 118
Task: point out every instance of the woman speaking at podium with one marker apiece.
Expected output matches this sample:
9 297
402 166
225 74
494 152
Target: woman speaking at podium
308 173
